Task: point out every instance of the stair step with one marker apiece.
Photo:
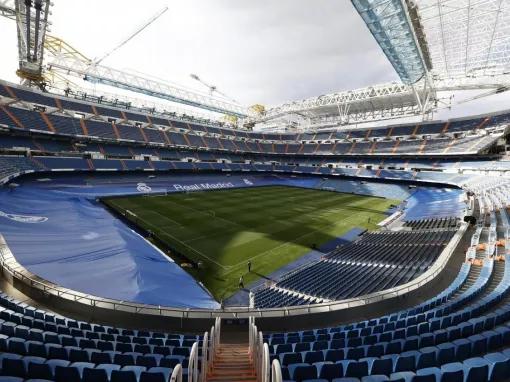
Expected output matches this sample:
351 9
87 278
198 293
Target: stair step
231 379
241 366
232 362
215 371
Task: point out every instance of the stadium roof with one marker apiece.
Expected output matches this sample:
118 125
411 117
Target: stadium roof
465 38
434 46
388 22
375 102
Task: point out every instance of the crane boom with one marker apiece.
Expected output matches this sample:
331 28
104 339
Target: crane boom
132 35
75 66
212 88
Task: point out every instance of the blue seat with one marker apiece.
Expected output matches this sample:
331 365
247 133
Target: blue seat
446 353
10 379
375 378
123 376
301 373
466 329
394 347
147 361
283 348
156 374
334 355
426 340
462 349
289 358
104 345
36 348
432 374
407 361
78 355
39 371
427 357
108 368
313 357
6 356
67 374
94 375
320 345
81 366
479 344
440 336
355 353
100 357
411 343
164 350
382 366
135 369
35 335
357 369
494 339
499 366
331 371
402 376
505 334
17 346
123 359
55 351
170 361
21 331
13 367
452 372
181 351
476 370
123 347
376 350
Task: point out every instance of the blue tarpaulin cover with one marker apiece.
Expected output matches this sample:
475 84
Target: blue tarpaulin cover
78 244
57 230
435 203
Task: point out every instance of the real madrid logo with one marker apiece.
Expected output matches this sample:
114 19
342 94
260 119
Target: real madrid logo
142 187
24 218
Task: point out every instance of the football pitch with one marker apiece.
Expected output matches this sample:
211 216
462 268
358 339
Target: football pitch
267 226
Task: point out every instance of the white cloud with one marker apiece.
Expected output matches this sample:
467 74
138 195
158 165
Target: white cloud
262 51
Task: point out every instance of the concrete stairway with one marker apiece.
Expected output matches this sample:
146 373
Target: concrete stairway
232 363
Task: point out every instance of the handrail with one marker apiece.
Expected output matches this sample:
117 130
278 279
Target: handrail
212 346
176 374
265 361
217 330
205 357
254 345
9 265
193 375
276 371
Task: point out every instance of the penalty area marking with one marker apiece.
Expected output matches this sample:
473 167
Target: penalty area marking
262 254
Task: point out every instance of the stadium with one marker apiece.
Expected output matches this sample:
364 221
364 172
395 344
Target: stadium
153 232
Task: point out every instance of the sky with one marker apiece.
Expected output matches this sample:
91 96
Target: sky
255 51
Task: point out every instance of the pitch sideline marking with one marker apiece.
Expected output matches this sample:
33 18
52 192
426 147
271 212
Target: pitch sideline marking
179 241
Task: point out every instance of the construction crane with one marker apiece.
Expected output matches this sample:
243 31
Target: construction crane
212 88
131 36
499 90
31 17
65 61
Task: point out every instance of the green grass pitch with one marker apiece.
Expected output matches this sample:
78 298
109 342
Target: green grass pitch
269 226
